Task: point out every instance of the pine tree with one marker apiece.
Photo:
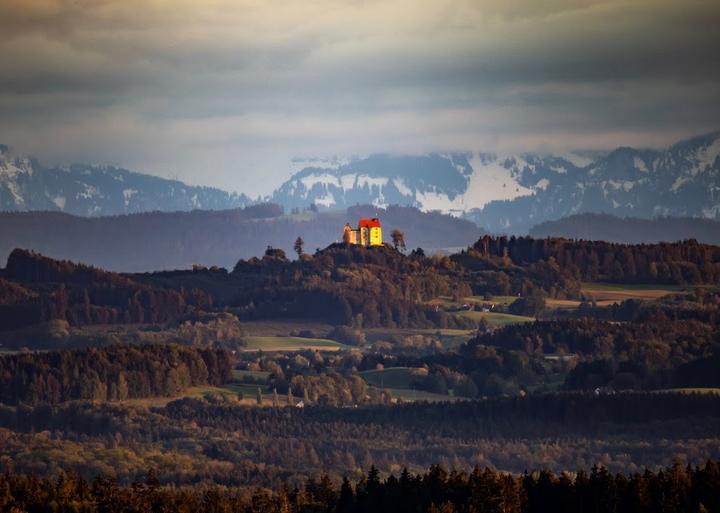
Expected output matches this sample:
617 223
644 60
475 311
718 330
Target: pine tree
299 243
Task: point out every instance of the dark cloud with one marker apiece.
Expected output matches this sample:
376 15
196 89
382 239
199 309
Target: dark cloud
215 92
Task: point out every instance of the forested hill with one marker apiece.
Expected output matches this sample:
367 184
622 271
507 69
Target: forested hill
36 289
345 285
677 262
630 230
156 240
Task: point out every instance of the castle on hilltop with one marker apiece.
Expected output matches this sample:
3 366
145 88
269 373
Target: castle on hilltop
368 233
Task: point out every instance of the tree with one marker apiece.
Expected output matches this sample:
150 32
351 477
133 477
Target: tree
398 239
272 253
299 243
531 306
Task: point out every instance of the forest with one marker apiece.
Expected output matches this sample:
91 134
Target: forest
215 439
507 355
112 373
343 285
675 488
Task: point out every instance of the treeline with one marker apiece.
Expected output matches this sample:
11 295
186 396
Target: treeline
109 373
37 289
675 489
686 262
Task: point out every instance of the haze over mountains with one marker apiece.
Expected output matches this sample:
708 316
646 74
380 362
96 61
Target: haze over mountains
630 230
88 190
500 193
173 240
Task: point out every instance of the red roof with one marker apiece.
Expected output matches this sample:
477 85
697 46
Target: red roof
369 223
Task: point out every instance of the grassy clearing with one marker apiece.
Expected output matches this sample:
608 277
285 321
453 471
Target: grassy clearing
249 392
282 328
690 390
496 319
605 294
392 377
257 375
448 337
494 300
420 395
269 343
633 287
562 304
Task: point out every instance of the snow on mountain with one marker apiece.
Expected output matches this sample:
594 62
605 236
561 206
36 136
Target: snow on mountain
508 193
99 190
680 181
515 192
450 183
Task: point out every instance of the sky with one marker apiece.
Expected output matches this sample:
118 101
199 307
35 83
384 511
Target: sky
227 92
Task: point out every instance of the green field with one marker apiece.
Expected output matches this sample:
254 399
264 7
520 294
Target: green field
392 377
496 319
238 375
448 337
606 294
267 343
619 287
420 395
494 300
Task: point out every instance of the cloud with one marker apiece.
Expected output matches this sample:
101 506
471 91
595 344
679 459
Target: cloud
222 92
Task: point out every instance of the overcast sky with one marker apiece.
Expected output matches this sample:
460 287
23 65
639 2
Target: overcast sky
225 93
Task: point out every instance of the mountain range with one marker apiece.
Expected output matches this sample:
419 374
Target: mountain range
512 193
87 190
500 192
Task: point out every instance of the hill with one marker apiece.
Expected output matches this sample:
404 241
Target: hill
172 240
88 190
630 230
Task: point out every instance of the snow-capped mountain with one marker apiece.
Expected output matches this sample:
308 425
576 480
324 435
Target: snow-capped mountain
451 183
99 190
515 192
501 193
681 181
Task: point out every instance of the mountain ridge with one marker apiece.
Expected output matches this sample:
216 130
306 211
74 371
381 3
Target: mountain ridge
507 193
96 190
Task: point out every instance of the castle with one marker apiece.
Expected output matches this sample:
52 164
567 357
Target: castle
368 233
